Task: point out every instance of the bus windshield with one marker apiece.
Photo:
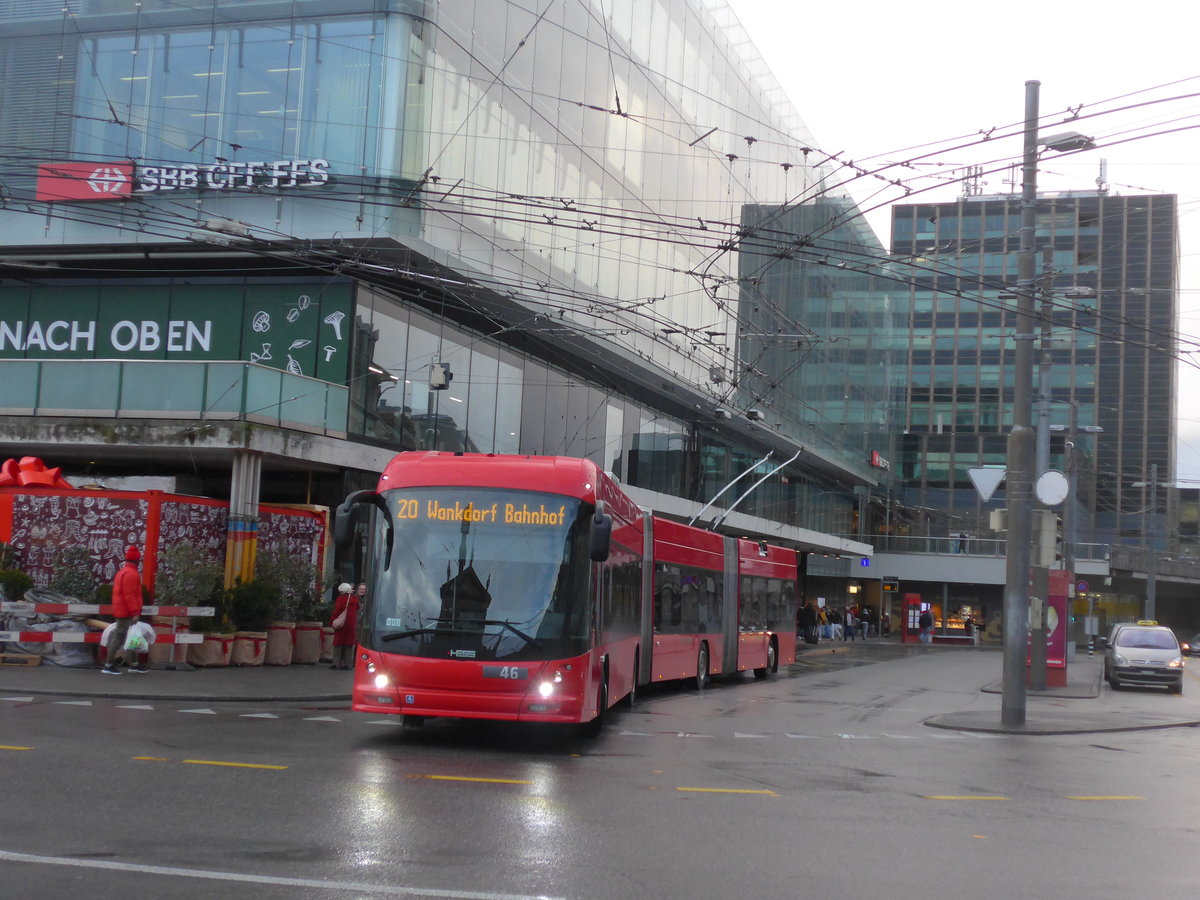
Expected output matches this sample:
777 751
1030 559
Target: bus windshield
480 573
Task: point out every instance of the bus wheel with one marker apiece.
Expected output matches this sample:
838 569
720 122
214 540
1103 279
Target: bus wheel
593 728
631 697
702 668
772 662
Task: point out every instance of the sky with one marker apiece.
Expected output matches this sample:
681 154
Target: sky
876 78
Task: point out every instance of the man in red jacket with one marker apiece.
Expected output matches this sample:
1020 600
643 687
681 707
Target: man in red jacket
127 606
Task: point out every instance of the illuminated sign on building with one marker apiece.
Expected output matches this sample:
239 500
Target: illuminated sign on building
122 180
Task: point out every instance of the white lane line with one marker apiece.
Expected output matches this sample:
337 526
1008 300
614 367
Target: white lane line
73 702
901 737
18 699
311 883
199 712
637 733
258 716
382 722
856 737
739 734
801 736
133 706
322 719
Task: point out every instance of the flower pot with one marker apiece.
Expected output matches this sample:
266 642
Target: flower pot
326 644
307 650
215 651
249 648
281 641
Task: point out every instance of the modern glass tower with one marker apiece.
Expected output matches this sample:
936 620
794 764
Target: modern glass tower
1107 301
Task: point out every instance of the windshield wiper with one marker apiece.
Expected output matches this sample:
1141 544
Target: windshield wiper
396 635
517 631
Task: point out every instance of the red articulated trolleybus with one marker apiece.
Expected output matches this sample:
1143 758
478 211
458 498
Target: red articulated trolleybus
532 589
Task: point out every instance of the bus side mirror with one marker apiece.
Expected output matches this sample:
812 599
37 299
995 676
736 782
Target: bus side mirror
601 535
343 520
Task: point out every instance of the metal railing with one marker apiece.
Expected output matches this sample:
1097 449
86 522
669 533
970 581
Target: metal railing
201 391
970 546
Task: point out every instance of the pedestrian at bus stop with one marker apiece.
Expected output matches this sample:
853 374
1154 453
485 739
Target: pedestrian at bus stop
127 607
344 622
848 625
925 623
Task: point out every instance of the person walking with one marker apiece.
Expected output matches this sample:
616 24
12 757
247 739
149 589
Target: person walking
925 623
345 623
127 607
848 625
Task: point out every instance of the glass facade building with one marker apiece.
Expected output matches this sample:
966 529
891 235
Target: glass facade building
1106 297
475 225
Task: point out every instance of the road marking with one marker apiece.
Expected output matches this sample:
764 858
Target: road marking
900 737
73 702
310 883
322 719
213 762
697 790
201 712
150 758
258 716
483 780
686 734
1108 797
133 706
636 733
4 747
18 699
739 734
855 737
800 736
960 797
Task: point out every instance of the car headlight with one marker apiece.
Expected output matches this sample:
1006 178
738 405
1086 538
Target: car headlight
381 681
1120 660
1176 663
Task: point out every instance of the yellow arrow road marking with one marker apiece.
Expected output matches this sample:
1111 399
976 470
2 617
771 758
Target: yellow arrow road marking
236 765
699 790
3 747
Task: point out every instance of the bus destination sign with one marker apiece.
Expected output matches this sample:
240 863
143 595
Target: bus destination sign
496 513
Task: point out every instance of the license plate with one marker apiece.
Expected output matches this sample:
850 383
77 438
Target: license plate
510 673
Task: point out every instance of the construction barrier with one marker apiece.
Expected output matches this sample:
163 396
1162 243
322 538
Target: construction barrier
22 607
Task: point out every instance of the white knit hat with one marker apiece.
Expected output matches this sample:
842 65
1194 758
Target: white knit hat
345 588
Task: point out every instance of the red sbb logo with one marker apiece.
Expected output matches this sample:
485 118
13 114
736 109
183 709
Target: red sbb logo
84 181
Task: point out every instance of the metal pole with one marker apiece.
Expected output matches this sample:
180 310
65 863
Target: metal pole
1041 574
717 524
1152 564
1021 440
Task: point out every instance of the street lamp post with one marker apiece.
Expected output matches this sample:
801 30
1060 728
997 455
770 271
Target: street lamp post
1021 439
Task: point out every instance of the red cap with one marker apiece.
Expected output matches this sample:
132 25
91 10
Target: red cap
133 554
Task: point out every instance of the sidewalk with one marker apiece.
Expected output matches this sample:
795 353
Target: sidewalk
228 684
1085 705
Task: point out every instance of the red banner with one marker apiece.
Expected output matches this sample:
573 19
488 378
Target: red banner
84 181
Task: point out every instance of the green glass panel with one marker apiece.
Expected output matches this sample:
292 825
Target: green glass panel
163 387
83 385
18 384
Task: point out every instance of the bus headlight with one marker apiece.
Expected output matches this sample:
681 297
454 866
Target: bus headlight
381 681
546 688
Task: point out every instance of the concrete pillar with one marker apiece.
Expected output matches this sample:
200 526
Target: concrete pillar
241 540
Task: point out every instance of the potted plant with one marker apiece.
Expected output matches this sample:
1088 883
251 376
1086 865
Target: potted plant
251 606
294 581
189 576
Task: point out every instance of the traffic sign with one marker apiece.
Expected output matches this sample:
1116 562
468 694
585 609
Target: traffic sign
986 479
1082 587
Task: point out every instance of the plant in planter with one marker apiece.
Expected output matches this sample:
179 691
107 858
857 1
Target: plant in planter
252 606
188 576
294 579
73 573
14 583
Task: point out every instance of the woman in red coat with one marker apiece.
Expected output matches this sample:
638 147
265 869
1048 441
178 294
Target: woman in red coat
344 641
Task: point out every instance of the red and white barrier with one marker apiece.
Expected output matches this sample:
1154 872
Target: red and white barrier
88 637
94 609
